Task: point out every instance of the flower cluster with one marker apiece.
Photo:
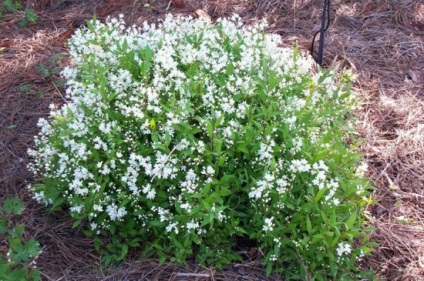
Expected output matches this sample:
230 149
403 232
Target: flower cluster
193 134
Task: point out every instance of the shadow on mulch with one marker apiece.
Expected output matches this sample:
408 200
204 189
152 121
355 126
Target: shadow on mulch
381 41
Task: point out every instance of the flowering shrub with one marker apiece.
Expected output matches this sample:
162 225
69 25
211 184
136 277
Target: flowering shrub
187 136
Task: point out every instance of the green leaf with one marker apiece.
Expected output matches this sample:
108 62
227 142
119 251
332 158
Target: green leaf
308 225
320 194
58 202
210 129
3 226
30 15
76 223
156 223
134 243
4 269
221 161
33 248
107 260
351 220
13 206
317 238
18 230
12 6
124 251
230 69
333 218
97 243
162 259
218 146
227 179
148 53
58 118
219 120
206 189
43 70
14 242
324 217
152 124
269 269
242 148
145 67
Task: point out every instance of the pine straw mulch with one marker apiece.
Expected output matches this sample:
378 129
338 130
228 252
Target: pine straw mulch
381 41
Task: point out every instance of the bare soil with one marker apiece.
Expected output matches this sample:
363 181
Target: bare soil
380 41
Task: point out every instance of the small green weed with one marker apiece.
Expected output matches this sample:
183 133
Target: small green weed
12 127
43 70
18 263
55 58
30 17
31 90
25 88
50 68
11 7
40 94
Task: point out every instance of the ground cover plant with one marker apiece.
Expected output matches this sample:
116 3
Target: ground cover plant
194 135
10 7
20 260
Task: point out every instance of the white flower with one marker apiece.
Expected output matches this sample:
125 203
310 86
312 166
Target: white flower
220 216
261 187
361 169
77 209
115 213
39 196
190 183
186 206
209 171
343 249
97 208
299 166
183 144
192 225
105 170
265 152
69 73
291 121
282 185
164 214
297 144
149 191
273 257
268 224
151 194
172 226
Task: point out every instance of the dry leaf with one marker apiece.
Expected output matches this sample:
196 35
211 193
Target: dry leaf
67 34
178 4
6 43
110 7
368 7
418 25
417 76
203 14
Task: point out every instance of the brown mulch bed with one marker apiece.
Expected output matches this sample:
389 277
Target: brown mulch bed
380 41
